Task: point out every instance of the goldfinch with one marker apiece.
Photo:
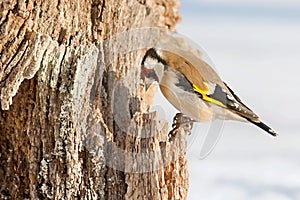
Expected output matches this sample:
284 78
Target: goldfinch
196 91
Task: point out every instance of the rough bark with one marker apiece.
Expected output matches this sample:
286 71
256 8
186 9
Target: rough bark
72 120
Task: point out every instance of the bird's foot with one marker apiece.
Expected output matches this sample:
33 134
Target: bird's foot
182 121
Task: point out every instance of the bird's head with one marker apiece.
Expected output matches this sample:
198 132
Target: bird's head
153 67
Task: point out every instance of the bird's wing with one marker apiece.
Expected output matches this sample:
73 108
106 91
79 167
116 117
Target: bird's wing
183 66
208 85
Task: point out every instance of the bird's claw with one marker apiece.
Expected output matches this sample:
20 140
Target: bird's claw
182 121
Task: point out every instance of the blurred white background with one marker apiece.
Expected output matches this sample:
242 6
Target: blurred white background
255 46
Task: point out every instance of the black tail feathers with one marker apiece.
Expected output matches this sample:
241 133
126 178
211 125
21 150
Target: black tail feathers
264 127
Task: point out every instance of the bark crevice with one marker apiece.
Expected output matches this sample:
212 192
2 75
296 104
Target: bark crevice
65 131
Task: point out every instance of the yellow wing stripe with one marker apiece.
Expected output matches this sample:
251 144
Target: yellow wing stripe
206 98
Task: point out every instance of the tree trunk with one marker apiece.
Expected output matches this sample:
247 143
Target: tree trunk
73 120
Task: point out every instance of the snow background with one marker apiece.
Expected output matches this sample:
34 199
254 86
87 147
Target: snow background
255 46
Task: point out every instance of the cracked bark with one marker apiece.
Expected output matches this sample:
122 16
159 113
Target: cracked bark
67 115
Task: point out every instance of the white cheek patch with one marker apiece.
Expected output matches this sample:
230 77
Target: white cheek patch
151 62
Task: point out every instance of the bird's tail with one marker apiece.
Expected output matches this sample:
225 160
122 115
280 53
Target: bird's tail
242 110
264 127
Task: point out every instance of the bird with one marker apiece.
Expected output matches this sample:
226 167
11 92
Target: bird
197 91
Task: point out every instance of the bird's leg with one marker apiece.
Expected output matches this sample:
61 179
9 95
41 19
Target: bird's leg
180 120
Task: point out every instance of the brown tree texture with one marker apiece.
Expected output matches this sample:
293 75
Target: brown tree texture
72 124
